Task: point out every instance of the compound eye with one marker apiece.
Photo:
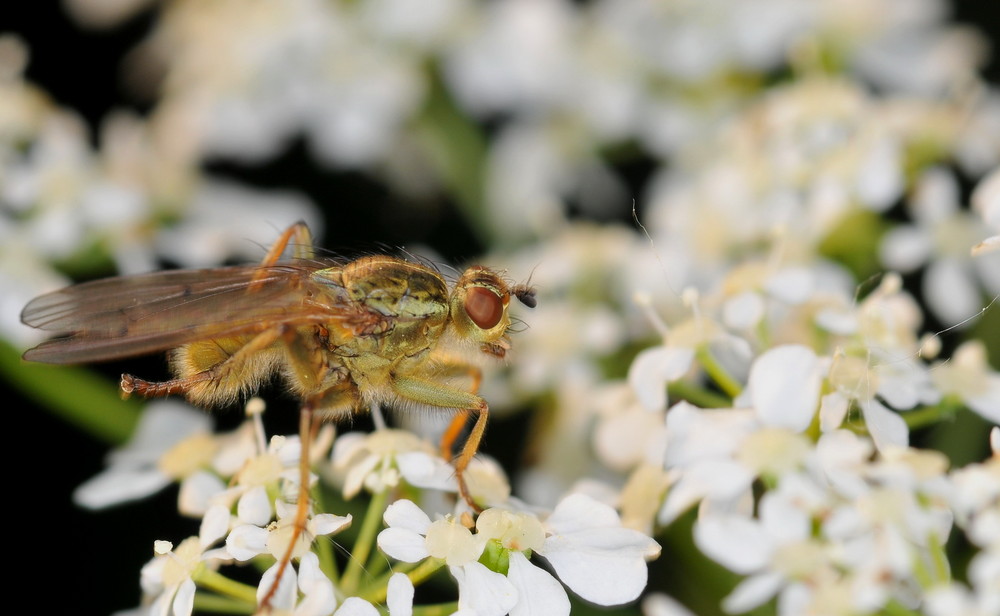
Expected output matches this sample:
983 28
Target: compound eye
484 307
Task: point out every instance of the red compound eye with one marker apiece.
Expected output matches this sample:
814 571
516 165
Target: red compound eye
484 307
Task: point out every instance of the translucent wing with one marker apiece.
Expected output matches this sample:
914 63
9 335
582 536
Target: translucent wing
133 315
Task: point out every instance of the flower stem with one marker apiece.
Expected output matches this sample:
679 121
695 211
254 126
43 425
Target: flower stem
927 415
365 542
213 580
941 568
221 605
696 395
894 608
376 593
457 149
324 549
440 609
718 373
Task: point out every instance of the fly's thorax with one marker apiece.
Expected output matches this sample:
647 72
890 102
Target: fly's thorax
390 286
412 298
478 309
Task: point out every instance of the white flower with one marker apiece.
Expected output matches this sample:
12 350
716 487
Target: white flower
659 604
954 598
277 465
627 434
167 431
702 445
653 368
968 376
227 221
784 387
168 577
986 201
379 460
940 237
593 554
247 540
582 539
412 537
318 597
776 550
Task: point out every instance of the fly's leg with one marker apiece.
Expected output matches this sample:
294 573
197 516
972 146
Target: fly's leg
458 423
308 425
428 392
197 384
307 368
302 248
206 386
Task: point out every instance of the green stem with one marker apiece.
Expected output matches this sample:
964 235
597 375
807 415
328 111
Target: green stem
457 148
213 580
221 605
439 609
324 548
941 568
921 573
77 395
696 395
727 383
377 592
894 608
366 541
916 418
377 564
927 415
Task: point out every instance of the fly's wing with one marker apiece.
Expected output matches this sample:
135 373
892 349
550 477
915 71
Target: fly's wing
134 315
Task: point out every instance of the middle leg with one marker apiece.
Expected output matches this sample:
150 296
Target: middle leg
435 394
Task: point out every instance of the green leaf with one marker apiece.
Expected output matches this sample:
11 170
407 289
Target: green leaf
77 395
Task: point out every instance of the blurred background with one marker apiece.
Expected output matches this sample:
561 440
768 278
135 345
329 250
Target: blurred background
531 135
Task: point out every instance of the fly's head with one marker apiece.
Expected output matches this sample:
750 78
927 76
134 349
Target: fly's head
479 309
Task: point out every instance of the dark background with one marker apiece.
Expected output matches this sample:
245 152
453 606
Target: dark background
90 561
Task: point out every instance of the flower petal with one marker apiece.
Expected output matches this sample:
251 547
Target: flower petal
254 507
539 593
214 525
284 597
950 291
600 561
986 402
327 523
425 471
652 369
246 541
580 512
887 428
355 606
119 485
400 595
196 493
184 599
403 544
735 542
405 514
318 598
784 386
752 592
486 592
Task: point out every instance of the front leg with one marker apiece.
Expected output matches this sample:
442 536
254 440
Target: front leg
434 394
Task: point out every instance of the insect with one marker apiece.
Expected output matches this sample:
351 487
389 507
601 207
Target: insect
342 335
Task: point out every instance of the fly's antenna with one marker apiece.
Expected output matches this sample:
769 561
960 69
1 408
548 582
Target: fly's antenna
524 292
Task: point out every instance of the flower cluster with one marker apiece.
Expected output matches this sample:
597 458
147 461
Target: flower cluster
764 235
